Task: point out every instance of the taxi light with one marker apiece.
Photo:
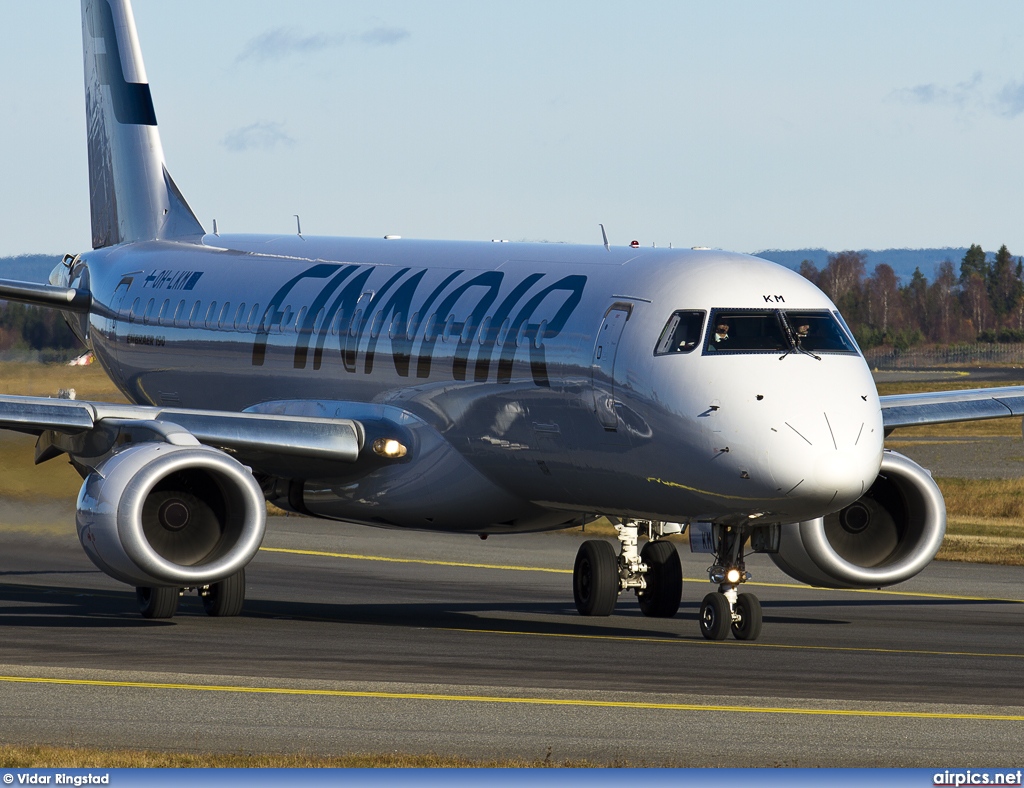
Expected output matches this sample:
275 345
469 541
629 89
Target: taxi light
733 576
390 448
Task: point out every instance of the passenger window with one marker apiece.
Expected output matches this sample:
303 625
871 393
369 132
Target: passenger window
149 311
133 313
179 312
211 315
222 321
301 318
681 333
193 318
239 317
818 332
163 311
746 332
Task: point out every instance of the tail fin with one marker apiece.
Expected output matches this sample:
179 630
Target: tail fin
133 197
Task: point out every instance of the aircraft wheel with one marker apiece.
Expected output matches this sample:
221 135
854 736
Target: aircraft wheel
595 579
715 616
226 597
748 607
158 602
664 580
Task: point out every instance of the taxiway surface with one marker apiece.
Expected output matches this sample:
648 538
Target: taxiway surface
363 640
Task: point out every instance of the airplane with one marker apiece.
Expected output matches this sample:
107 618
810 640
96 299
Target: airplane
473 387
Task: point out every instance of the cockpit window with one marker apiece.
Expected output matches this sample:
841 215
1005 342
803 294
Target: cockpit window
746 331
775 331
819 332
681 333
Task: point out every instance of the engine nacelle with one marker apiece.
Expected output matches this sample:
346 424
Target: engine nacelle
887 536
157 514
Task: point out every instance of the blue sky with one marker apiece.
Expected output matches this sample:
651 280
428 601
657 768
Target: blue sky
740 125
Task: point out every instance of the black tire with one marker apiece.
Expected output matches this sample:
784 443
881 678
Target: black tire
748 608
595 579
664 580
715 616
157 602
226 597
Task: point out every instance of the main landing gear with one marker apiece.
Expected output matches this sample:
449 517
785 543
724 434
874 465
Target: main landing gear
224 598
656 575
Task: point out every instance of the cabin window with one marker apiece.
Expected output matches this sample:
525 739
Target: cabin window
681 333
239 317
319 322
468 329
253 316
397 326
222 320
433 325
164 309
503 333
448 326
210 321
134 311
268 319
301 319
149 311
485 327
193 318
377 324
287 318
179 312
538 339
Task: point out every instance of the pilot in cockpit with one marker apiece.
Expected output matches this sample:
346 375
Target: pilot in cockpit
802 332
721 337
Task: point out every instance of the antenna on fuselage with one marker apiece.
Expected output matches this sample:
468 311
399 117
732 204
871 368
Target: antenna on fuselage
604 235
215 232
298 225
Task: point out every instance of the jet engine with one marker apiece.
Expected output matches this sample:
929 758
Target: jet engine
157 514
886 536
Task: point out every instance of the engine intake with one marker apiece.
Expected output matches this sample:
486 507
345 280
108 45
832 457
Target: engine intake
157 514
887 536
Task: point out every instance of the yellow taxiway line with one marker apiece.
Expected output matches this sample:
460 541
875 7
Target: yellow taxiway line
528 701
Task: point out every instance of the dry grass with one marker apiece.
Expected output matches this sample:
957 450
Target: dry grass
45 380
38 757
966 429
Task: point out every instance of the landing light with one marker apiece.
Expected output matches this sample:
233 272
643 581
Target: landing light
733 576
390 448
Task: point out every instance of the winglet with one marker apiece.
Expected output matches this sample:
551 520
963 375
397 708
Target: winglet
133 197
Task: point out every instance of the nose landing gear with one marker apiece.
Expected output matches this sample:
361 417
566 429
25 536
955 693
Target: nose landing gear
727 609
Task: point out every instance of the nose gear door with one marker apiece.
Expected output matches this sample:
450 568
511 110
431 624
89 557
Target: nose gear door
602 367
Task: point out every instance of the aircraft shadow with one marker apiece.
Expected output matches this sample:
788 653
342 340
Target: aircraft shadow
38 606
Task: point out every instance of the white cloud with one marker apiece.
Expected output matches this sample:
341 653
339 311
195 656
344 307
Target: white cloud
261 135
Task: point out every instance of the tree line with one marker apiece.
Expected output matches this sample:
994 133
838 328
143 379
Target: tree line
25 327
983 301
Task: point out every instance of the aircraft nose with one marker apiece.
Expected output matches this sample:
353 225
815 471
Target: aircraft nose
824 460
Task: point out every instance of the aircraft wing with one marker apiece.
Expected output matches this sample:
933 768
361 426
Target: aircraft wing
938 407
67 298
249 436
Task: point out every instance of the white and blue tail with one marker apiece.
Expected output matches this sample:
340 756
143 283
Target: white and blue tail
132 195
